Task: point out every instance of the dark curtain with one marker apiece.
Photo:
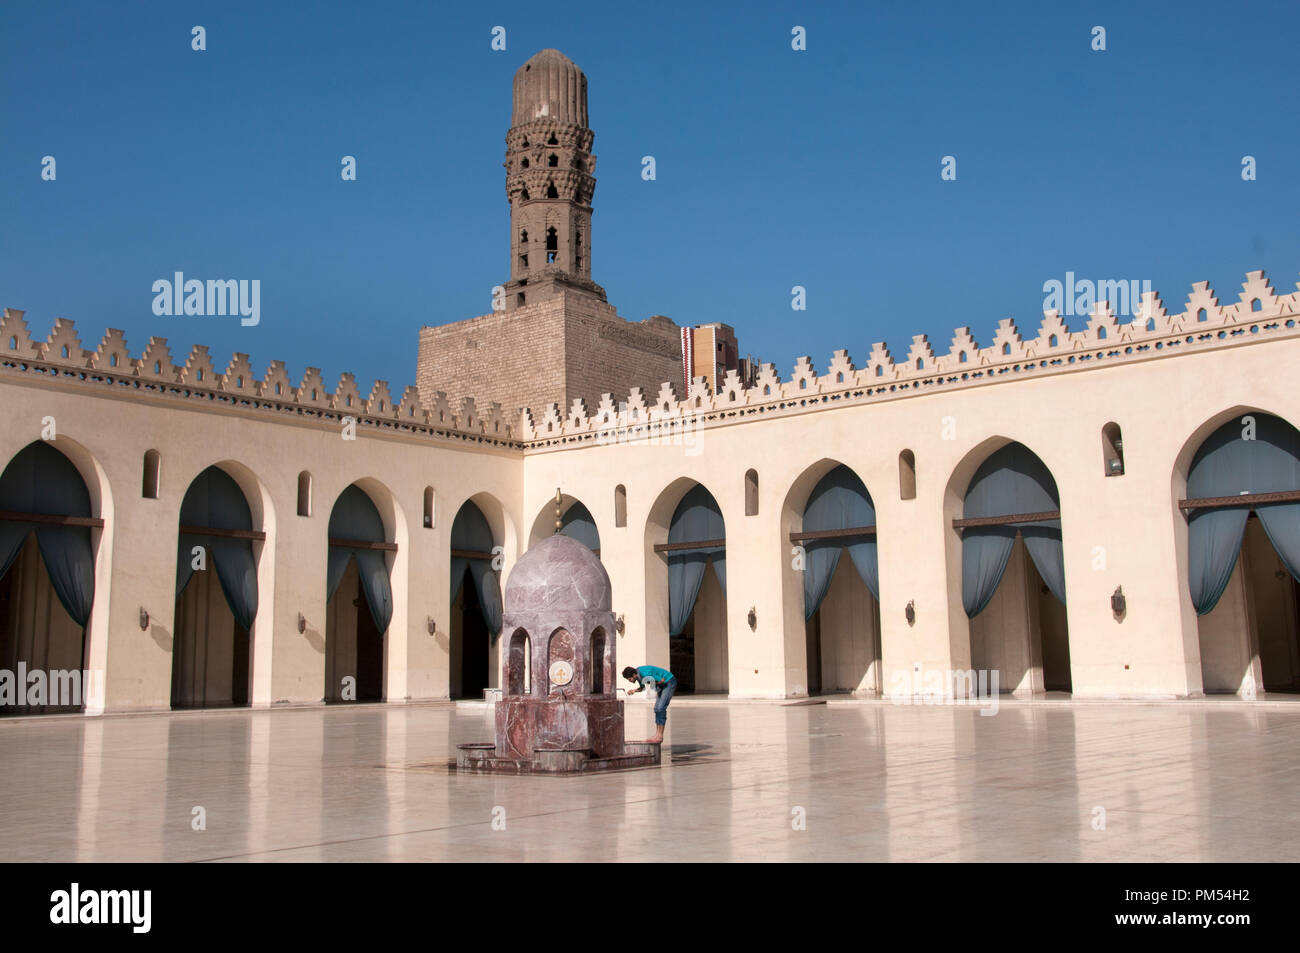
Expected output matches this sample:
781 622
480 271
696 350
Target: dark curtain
470 532
696 519
579 523
355 517
215 501
1012 480
838 501
1233 461
40 479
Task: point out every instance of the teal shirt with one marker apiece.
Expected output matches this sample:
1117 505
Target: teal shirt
660 675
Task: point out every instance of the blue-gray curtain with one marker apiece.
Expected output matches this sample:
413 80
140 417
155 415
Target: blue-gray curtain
1229 464
1012 480
40 479
839 501
355 517
470 531
215 501
579 523
696 519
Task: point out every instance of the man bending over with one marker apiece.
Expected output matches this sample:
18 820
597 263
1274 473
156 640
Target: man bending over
664 682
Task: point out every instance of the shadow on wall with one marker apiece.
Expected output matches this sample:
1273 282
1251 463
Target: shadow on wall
315 640
162 637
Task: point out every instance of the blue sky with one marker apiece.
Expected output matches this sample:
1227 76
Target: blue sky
775 168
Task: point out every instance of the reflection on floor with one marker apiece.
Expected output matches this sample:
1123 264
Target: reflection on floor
1182 781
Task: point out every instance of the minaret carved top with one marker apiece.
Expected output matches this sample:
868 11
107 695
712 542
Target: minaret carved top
550 86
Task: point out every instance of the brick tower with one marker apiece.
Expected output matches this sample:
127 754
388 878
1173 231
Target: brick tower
551 336
549 181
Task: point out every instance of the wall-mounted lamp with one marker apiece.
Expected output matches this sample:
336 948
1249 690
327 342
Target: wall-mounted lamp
910 612
302 623
144 618
619 624
433 626
1118 604
753 619
1116 467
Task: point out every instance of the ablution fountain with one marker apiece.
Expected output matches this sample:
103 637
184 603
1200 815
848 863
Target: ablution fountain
559 711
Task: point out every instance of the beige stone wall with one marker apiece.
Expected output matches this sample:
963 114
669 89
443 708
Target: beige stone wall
106 436
566 347
515 358
1167 389
1127 525
605 354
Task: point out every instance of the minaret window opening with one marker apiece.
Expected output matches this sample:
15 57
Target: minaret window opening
551 192
552 245
553 160
552 141
523 163
523 195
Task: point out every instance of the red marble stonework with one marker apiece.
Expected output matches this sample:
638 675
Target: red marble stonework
559 712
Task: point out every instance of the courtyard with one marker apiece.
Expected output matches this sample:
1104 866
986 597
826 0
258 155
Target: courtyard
833 780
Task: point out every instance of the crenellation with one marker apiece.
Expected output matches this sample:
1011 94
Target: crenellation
197 370
112 352
346 398
237 385
577 419
606 412
880 363
238 378
1053 335
768 382
963 342
494 421
841 369
1007 342
411 408
698 397
276 384
920 355
14 336
666 403
63 346
468 416
1202 297
1256 288
380 401
552 422
732 392
440 414
1104 337
156 364
1102 328
804 380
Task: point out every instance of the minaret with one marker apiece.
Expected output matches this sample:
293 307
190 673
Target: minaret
549 182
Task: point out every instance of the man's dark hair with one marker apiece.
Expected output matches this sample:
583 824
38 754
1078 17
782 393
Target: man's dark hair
629 672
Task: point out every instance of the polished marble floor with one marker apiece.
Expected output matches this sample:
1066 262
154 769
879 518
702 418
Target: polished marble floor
1180 781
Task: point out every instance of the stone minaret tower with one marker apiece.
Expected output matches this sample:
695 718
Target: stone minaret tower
549 182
